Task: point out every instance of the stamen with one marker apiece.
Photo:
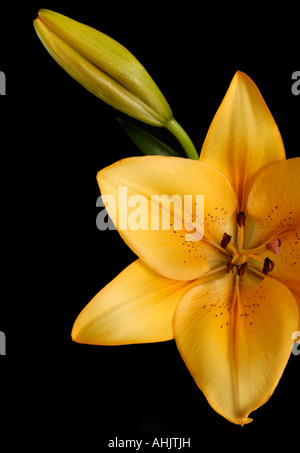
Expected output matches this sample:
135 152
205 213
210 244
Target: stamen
235 258
274 246
233 250
268 266
241 218
242 269
254 257
214 271
229 267
225 240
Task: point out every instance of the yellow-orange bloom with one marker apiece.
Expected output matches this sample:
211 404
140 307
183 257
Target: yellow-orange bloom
230 300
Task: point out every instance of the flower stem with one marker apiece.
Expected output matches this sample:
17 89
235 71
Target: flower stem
183 138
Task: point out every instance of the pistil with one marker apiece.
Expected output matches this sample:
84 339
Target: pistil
272 244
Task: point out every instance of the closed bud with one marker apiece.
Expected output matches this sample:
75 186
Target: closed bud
103 66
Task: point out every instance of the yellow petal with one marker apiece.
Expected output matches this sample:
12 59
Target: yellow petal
243 136
103 66
136 307
274 200
236 340
166 246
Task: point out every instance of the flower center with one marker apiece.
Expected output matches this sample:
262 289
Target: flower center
239 257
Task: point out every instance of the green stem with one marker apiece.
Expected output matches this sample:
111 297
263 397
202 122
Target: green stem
183 138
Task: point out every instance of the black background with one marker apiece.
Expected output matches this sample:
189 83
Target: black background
57 136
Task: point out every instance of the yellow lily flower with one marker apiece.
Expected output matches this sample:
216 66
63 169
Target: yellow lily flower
108 70
230 300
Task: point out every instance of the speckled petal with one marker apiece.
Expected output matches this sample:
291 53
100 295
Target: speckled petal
236 340
274 201
287 261
169 249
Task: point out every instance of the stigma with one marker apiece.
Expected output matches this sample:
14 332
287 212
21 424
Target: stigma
274 246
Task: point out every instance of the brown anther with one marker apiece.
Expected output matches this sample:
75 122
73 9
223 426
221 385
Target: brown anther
242 269
268 266
274 246
225 240
229 267
241 218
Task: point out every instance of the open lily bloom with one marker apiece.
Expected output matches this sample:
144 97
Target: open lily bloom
230 298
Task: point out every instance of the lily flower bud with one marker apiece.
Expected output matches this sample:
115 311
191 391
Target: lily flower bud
103 66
